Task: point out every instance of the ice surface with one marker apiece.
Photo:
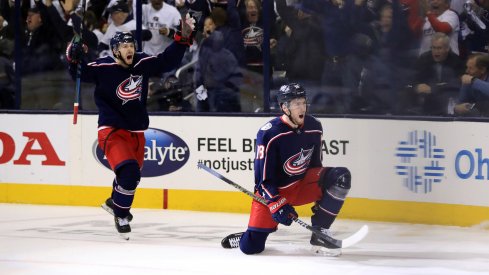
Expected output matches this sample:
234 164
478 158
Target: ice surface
39 239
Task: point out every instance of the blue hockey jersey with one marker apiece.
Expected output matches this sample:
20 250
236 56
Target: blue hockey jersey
121 93
284 154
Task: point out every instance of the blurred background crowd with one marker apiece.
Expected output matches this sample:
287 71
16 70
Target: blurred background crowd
380 57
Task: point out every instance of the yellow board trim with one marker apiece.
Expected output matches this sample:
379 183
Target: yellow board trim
236 202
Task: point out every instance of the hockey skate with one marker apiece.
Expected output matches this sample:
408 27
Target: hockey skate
232 241
108 206
123 227
319 248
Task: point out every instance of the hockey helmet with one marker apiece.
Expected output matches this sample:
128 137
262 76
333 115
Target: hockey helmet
121 37
290 91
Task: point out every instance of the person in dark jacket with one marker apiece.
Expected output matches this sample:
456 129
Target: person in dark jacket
437 77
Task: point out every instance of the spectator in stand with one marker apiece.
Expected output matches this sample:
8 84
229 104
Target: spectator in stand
375 69
415 21
94 25
252 32
130 4
337 25
218 77
439 18
475 26
229 24
121 22
6 37
98 7
209 27
199 9
42 48
473 99
161 19
300 53
70 22
437 77
58 14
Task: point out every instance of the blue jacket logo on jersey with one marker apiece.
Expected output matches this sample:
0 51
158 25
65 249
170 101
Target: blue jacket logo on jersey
298 163
253 36
164 153
130 89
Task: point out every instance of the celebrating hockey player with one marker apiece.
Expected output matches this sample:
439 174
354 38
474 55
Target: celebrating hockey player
120 94
288 173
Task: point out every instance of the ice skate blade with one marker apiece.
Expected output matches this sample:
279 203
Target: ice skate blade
326 252
124 236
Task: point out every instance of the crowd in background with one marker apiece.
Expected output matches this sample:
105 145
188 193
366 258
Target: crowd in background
400 57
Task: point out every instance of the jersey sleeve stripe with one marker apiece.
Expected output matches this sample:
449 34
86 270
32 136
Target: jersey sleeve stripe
144 58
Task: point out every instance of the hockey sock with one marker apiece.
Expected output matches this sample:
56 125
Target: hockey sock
336 184
127 180
253 242
326 210
114 183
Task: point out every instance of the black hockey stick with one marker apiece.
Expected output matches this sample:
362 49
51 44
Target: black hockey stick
329 241
79 37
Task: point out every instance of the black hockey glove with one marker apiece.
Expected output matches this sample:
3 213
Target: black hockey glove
186 31
75 50
282 211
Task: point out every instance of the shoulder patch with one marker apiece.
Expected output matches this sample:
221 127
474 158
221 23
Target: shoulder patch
266 126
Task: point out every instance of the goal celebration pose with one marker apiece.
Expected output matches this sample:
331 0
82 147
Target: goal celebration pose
120 95
289 172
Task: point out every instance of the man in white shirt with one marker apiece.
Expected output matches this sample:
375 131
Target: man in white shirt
161 19
121 22
439 18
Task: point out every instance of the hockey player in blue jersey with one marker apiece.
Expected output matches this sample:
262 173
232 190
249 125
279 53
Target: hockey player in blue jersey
288 173
120 95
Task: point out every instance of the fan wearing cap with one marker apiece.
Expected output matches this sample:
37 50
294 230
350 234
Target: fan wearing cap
121 21
289 172
121 90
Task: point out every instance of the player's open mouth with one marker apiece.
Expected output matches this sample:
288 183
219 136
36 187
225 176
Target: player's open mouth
301 116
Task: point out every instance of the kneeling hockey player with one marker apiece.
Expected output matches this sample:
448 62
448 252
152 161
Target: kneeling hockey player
288 173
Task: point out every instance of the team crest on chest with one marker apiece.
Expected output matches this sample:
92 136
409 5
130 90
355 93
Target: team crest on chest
253 36
130 89
298 163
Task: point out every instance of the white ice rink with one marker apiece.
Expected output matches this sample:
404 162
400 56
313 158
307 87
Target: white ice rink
51 240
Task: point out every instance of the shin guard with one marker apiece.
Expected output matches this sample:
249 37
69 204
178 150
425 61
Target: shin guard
335 184
127 179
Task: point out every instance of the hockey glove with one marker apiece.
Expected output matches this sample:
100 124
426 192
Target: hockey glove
75 50
186 31
282 211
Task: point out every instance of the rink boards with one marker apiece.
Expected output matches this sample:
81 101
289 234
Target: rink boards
433 172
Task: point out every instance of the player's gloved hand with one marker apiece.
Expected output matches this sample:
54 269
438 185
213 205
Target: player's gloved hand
75 51
186 31
282 211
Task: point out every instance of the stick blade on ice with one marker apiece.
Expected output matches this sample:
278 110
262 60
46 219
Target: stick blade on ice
356 237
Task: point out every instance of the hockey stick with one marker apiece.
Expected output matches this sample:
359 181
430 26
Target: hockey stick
329 241
78 67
